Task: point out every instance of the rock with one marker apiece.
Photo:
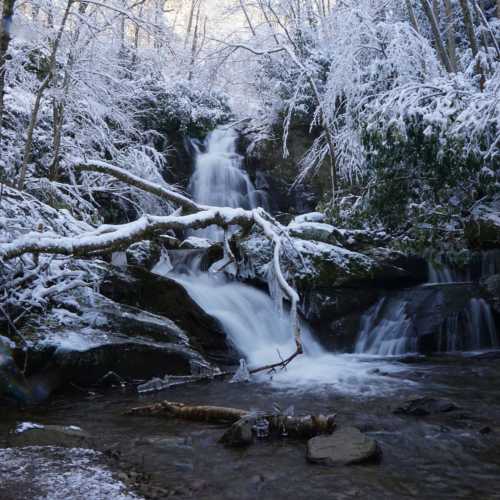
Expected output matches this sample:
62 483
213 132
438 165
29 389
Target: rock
310 217
129 360
418 320
239 434
322 264
346 446
491 291
28 434
316 231
143 253
422 406
106 337
12 382
360 240
167 298
482 230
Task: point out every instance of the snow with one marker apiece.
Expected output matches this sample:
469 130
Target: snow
52 473
26 426
309 217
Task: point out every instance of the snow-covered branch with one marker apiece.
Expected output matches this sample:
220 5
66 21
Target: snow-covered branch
123 175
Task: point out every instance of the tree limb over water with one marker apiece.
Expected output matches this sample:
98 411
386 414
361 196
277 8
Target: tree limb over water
111 238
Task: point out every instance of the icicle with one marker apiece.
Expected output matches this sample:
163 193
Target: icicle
242 374
164 264
275 290
119 259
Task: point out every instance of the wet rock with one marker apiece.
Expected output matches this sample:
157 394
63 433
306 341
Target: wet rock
128 360
423 406
239 434
12 382
482 230
491 291
165 297
50 435
346 446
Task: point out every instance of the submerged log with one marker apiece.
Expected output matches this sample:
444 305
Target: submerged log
198 413
243 421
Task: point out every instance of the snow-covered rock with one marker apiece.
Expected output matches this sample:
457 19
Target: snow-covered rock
317 231
314 264
310 217
482 230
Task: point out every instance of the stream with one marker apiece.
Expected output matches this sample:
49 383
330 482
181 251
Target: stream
448 455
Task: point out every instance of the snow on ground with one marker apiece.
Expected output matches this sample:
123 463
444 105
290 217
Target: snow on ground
52 473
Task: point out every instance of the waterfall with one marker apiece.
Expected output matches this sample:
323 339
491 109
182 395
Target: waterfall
391 326
249 317
219 178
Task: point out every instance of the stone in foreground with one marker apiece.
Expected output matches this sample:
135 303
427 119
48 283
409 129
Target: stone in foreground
346 446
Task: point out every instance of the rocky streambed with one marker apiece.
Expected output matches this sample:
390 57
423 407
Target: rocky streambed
436 422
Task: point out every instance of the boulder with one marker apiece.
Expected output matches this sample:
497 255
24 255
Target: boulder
166 297
128 360
319 265
482 230
491 291
102 337
29 434
346 446
13 384
419 406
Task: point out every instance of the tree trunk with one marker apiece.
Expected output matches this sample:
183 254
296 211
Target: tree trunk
411 13
471 35
247 17
7 13
443 55
38 99
450 35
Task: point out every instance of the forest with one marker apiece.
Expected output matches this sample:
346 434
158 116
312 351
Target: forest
249 249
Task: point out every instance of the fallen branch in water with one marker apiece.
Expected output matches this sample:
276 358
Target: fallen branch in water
282 364
243 421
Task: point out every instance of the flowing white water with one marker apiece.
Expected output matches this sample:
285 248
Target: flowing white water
249 317
219 178
388 328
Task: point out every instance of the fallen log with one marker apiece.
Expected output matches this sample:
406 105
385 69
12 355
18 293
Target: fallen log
243 422
198 413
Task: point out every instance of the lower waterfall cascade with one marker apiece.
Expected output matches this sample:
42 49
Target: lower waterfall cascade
387 327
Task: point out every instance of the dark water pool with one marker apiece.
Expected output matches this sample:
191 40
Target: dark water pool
448 455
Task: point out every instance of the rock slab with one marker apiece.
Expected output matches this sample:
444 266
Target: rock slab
346 446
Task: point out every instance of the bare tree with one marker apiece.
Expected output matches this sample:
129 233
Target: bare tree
413 18
7 14
471 35
443 55
450 35
39 95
